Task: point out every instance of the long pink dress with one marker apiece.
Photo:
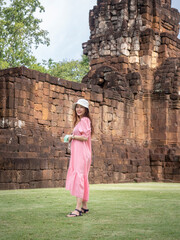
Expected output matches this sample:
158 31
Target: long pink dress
80 161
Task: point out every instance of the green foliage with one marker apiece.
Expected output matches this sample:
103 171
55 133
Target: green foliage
73 70
19 31
3 64
39 67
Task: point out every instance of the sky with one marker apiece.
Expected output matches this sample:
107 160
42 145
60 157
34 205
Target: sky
67 22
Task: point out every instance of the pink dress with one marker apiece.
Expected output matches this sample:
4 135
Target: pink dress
80 161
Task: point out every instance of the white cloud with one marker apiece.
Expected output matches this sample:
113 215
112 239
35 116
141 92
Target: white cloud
67 22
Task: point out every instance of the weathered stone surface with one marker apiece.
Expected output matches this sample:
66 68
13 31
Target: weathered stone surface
32 153
146 34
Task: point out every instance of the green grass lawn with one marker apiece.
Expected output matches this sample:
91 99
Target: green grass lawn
133 211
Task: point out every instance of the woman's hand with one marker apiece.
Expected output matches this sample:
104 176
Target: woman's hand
79 138
70 138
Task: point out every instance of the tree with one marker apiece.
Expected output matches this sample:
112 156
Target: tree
19 31
73 70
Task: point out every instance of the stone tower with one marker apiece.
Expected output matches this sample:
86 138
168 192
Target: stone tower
134 51
132 34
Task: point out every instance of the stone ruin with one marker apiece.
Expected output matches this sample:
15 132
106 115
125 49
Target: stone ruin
133 87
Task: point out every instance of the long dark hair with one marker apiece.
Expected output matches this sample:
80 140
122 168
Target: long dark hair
86 114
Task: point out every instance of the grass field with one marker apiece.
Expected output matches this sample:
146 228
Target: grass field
133 211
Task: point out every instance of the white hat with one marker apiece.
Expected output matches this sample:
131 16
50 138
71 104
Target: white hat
82 102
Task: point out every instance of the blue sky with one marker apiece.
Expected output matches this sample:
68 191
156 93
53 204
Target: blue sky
67 22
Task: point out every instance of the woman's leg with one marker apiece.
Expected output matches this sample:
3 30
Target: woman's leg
78 207
78 203
84 204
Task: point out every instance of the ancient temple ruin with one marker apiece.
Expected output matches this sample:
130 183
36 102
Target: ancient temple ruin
134 52
133 87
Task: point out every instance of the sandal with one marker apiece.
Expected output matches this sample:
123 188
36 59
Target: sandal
75 215
84 210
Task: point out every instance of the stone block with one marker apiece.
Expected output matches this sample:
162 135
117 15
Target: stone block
21 164
58 174
176 178
116 177
41 184
157 157
96 97
6 186
7 176
23 176
47 174
156 170
34 164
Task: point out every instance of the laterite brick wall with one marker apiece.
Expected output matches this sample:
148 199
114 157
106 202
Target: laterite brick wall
35 114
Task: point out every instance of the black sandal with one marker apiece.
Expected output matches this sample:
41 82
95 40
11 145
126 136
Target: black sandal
84 210
75 215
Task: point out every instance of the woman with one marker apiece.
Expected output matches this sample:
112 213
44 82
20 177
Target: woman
77 176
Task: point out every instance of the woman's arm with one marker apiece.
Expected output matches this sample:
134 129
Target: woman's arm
79 138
